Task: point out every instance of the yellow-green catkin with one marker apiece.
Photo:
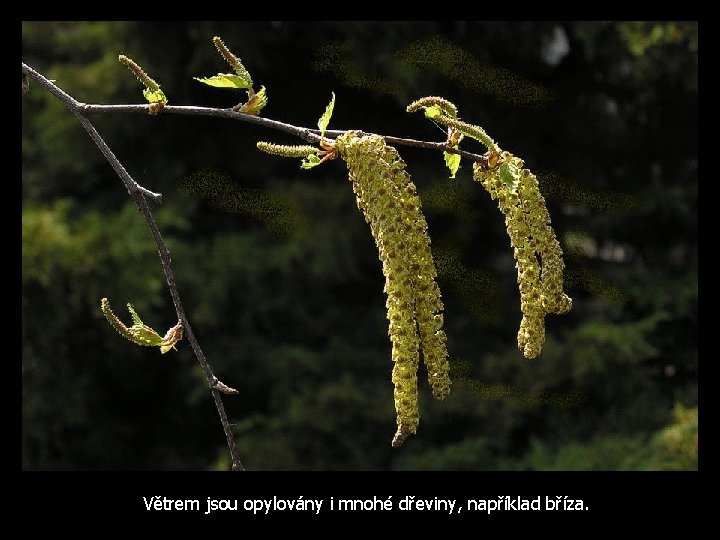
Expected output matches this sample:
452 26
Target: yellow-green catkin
233 60
545 242
389 202
476 132
426 293
114 320
537 252
445 112
143 77
283 150
448 107
522 211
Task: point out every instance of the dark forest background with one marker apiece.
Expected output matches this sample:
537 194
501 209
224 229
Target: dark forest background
280 276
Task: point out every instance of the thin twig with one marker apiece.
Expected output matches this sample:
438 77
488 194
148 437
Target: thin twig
309 135
400 141
138 193
131 184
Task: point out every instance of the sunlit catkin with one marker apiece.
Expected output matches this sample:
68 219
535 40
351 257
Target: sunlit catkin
284 150
546 244
536 250
389 202
426 293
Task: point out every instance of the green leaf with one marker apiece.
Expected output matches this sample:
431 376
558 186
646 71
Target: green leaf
325 118
256 103
144 335
310 161
155 96
434 111
135 317
510 175
452 161
226 80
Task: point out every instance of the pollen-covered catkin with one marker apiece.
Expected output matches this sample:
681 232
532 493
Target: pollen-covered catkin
545 242
390 204
378 200
536 249
537 252
426 293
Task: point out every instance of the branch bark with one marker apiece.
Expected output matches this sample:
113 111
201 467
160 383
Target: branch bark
310 135
139 194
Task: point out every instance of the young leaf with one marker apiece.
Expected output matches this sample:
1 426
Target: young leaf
155 96
452 161
325 118
142 333
310 161
226 80
510 175
432 112
255 104
135 317
447 107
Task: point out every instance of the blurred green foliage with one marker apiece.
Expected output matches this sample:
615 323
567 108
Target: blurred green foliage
280 277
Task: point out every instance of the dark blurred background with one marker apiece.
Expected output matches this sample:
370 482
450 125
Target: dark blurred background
280 276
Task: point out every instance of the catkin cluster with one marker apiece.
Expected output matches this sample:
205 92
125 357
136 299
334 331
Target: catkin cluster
391 206
536 249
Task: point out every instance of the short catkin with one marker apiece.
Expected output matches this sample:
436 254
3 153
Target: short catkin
391 206
284 150
233 60
139 72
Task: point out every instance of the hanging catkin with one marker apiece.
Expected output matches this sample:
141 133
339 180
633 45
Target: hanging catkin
391 206
538 257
